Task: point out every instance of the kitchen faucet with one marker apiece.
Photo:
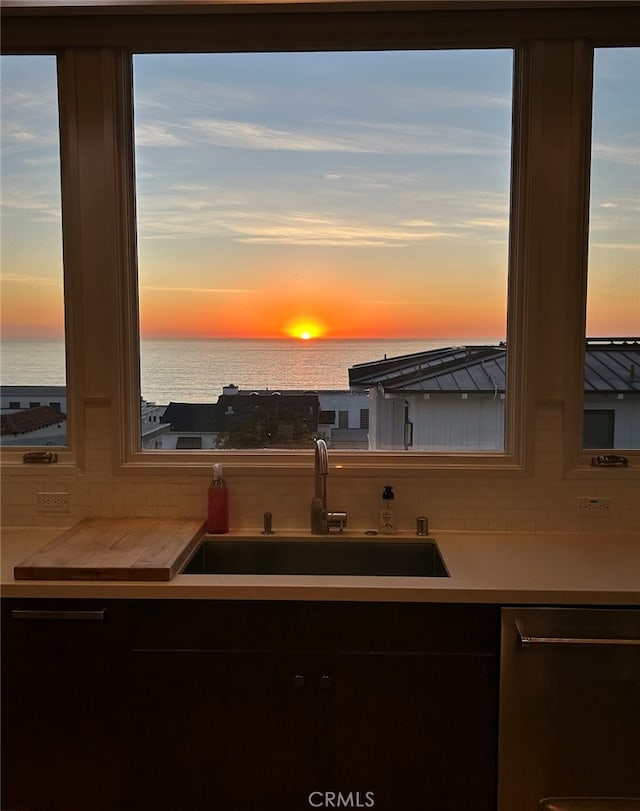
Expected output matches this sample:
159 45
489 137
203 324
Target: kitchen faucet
323 521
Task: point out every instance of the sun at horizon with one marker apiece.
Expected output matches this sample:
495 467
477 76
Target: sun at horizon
305 329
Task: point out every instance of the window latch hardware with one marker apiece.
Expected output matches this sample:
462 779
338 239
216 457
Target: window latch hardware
39 457
609 460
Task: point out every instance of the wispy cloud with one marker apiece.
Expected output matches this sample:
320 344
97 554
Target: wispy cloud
19 135
249 135
313 229
423 139
302 228
420 224
497 222
293 228
158 134
39 205
29 102
302 217
216 290
616 246
374 137
30 279
626 151
197 94
444 97
317 160
29 122
614 222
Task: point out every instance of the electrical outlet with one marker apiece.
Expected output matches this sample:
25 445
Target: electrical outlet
594 506
52 502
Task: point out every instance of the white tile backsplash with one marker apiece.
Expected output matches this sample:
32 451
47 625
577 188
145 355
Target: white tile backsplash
545 501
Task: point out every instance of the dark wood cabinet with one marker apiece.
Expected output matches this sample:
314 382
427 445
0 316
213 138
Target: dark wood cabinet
248 705
417 731
65 726
273 705
228 730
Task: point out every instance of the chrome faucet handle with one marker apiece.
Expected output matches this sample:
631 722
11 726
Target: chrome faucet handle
336 520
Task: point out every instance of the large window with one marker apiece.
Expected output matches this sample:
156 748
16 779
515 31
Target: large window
324 232
612 368
33 353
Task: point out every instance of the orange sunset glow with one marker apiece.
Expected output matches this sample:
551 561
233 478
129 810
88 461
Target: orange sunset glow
216 315
288 220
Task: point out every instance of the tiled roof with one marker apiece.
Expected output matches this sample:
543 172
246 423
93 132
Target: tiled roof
30 419
611 365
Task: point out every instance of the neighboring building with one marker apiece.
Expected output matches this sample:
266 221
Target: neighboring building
266 418
192 426
40 425
33 415
453 398
16 398
245 418
152 425
445 399
343 420
612 393
442 399
22 406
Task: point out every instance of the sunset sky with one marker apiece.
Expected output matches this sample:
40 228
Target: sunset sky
356 195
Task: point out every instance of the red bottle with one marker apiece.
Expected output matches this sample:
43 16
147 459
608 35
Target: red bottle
218 504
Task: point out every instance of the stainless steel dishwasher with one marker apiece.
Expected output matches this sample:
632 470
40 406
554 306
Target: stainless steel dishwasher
569 705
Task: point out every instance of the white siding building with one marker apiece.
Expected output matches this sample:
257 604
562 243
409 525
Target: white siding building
452 399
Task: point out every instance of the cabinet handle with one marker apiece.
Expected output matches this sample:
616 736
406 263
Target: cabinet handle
96 615
524 640
325 682
298 681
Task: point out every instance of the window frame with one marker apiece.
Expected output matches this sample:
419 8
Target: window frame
578 459
67 455
512 459
540 34
584 454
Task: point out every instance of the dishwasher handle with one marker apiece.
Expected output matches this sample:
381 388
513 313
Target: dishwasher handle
525 639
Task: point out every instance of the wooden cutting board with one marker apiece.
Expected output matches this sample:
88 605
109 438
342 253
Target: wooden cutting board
115 549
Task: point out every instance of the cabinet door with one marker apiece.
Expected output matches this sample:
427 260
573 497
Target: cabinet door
223 730
64 713
395 705
415 731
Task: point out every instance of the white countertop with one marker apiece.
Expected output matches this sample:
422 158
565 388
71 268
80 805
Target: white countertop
597 568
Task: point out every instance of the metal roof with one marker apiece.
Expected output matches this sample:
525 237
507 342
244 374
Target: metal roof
614 367
611 365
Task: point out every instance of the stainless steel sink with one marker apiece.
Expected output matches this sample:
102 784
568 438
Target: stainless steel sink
366 557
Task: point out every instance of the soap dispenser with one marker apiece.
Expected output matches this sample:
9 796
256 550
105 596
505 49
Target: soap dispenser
218 503
387 523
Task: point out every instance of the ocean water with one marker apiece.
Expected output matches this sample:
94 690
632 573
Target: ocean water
195 371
